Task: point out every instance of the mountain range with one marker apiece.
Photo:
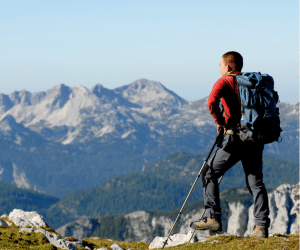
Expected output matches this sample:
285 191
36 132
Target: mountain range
67 139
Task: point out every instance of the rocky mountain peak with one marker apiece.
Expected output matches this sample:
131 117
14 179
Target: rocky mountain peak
59 95
103 93
7 122
150 93
18 133
22 97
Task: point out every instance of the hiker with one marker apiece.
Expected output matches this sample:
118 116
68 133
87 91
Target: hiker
231 151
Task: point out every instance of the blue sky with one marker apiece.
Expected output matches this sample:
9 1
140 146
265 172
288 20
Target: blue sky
178 43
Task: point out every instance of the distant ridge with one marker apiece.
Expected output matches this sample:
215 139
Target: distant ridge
70 138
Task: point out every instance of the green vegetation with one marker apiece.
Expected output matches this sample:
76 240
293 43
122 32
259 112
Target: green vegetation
162 186
11 238
277 242
58 169
117 227
113 227
12 197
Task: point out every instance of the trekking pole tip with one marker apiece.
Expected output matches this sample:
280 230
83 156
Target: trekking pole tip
165 243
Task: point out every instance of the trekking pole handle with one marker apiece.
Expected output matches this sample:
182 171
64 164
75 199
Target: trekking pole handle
220 136
218 142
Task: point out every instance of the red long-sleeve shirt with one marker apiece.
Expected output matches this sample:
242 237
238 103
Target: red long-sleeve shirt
226 91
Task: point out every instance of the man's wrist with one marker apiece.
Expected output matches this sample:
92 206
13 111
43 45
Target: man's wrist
221 128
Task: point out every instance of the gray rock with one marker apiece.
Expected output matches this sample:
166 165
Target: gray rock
174 240
35 223
116 247
2 223
284 211
237 222
56 240
23 219
102 248
26 230
79 229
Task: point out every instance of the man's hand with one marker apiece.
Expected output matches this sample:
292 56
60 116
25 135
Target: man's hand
220 128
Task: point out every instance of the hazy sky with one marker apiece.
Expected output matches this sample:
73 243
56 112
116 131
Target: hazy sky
178 43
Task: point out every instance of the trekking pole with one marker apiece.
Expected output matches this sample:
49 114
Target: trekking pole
204 211
218 139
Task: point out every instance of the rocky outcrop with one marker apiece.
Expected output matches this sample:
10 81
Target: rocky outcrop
33 222
144 226
79 229
284 210
174 240
284 215
237 222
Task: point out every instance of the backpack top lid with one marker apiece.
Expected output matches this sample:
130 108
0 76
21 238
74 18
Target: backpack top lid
256 80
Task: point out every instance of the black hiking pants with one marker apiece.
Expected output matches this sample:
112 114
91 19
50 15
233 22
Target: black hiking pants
231 151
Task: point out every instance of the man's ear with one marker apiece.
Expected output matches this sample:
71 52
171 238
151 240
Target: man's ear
229 69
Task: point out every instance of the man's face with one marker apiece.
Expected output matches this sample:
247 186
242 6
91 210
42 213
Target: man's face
223 67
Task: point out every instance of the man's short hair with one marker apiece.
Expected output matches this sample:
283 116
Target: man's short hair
234 60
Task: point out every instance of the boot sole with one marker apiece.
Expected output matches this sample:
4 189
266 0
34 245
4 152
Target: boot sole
206 228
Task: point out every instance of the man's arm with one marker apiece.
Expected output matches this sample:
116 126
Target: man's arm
214 104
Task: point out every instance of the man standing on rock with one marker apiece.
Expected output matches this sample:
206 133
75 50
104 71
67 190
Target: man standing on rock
231 151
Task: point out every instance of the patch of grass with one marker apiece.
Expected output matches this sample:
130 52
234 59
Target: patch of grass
6 219
279 242
11 238
217 243
50 230
99 243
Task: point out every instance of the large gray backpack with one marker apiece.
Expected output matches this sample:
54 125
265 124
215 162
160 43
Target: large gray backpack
260 117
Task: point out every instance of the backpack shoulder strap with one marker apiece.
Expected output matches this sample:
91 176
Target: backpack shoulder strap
236 86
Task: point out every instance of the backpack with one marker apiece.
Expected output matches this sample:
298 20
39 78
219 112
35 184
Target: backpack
260 117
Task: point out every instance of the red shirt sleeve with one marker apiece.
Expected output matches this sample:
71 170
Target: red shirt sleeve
214 100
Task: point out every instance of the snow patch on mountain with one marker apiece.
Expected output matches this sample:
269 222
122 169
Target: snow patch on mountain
105 130
127 134
20 178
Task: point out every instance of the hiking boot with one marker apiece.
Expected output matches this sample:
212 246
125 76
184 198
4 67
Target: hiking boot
211 224
259 232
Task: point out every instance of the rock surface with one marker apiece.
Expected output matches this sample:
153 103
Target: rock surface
284 214
144 226
116 247
3 224
175 240
33 222
23 219
79 229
